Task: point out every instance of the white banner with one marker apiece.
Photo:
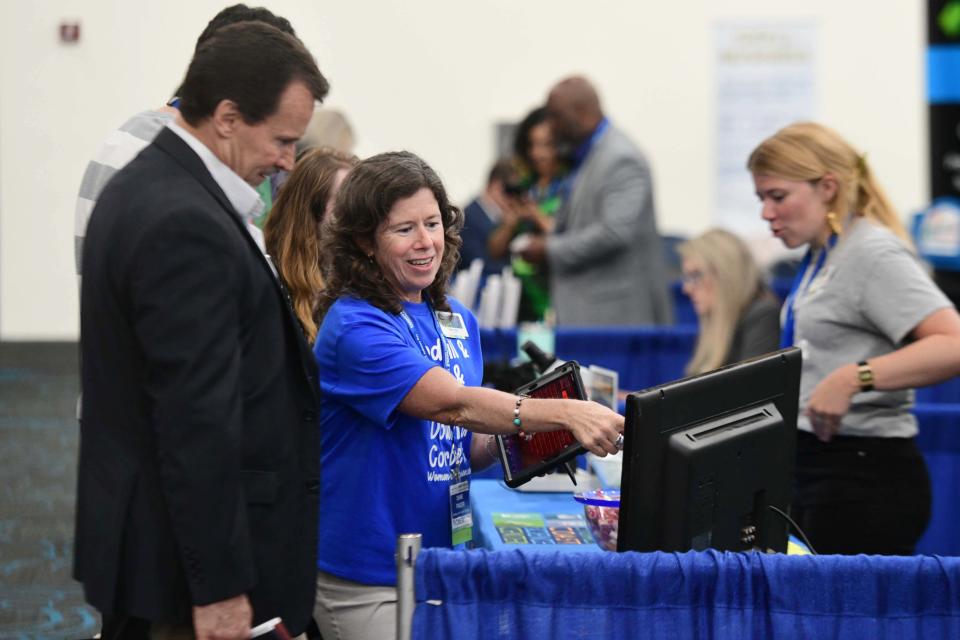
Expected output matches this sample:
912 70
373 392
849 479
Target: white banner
766 79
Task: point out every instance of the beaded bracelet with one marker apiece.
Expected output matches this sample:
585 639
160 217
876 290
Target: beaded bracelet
516 418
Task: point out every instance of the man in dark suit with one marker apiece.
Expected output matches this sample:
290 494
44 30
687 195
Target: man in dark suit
199 451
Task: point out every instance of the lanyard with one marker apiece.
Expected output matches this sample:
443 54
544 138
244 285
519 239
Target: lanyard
581 152
801 283
579 155
454 471
416 336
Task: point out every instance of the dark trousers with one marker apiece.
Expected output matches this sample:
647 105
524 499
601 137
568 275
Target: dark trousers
861 495
129 628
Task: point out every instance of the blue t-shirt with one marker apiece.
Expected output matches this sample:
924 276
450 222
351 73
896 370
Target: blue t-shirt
384 473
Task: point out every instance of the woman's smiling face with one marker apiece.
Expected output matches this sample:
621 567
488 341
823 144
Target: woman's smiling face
409 244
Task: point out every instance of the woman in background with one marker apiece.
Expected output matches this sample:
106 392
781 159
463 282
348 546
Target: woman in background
400 368
872 326
739 316
533 201
292 231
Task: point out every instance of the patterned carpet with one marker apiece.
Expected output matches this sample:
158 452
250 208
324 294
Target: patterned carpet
38 450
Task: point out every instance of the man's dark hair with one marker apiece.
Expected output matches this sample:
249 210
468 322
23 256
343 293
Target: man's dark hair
503 170
243 13
252 64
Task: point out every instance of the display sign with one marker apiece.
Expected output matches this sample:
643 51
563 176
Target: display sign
542 528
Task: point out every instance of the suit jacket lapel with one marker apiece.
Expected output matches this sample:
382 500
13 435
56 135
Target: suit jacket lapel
174 146
571 208
180 151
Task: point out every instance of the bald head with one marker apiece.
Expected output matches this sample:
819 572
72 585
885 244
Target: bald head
573 109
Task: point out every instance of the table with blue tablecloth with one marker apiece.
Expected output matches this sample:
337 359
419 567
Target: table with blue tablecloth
649 356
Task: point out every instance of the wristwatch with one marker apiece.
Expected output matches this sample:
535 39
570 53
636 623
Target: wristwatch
865 376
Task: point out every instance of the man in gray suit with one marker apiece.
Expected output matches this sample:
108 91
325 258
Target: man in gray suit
605 257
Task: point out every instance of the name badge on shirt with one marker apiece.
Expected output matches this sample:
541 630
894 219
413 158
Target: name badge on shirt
452 325
461 518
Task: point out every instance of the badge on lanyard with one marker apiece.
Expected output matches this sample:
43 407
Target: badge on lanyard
461 518
452 325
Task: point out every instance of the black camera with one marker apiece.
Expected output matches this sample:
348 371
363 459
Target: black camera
514 189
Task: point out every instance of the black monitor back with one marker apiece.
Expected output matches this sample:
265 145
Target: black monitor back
705 456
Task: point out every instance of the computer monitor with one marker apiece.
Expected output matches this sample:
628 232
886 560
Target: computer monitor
705 458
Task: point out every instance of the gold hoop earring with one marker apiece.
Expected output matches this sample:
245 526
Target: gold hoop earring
833 221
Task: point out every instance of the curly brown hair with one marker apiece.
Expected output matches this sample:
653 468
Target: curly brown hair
292 231
362 206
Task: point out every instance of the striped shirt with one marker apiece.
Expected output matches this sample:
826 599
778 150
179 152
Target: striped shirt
120 147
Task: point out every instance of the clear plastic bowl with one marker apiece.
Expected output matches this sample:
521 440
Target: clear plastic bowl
601 508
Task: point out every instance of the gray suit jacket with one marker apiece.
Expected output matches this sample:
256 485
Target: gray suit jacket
605 256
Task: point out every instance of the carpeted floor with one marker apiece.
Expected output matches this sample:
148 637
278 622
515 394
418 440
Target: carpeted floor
38 464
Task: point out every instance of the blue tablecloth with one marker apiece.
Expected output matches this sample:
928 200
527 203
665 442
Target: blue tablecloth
939 440
466 595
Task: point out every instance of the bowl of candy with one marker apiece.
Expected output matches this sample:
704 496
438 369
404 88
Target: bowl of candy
601 508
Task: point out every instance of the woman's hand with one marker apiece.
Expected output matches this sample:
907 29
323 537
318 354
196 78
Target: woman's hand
510 214
594 426
830 401
528 210
498 243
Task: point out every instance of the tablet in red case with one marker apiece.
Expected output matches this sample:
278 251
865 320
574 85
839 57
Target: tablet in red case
524 459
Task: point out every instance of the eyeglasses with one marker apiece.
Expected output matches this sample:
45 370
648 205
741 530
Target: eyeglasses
692 278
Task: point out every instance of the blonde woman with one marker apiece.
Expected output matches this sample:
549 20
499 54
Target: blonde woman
739 316
292 231
872 326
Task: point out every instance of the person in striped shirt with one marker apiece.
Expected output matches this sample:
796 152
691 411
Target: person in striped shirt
124 144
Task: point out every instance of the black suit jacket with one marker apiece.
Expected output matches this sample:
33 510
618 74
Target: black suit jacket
199 449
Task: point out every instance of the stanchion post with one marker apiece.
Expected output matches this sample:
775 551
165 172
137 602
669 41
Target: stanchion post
408 547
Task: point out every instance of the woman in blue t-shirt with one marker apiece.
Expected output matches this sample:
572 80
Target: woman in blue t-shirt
400 369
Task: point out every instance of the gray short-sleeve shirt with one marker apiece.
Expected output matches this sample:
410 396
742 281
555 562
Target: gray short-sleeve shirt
870 294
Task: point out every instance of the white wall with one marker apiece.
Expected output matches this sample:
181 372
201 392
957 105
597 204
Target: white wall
431 76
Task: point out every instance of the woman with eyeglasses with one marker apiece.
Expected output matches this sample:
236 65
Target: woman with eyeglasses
872 326
739 316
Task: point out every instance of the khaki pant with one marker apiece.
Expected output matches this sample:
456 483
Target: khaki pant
346 610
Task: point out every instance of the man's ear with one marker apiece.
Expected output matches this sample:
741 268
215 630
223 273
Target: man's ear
226 117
